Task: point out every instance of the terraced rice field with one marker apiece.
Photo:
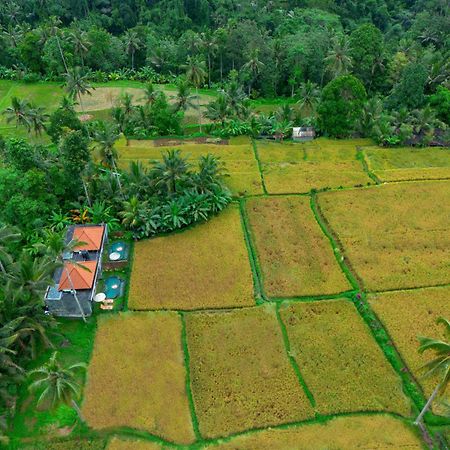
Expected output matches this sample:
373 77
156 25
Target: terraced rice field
401 164
395 236
137 378
293 167
424 307
240 375
208 267
295 257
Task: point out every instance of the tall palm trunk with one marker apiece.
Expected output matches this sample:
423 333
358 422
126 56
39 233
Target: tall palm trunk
117 177
62 54
209 69
81 102
132 59
77 409
199 110
221 67
427 405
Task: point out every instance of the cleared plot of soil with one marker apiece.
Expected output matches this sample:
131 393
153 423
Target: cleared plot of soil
136 377
397 164
409 314
395 236
243 174
294 167
132 444
295 256
241 377
361 432
206 266
341 363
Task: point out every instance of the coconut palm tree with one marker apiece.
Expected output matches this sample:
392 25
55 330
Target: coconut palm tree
254 66
8 236
80 42
38 117
309 96
439 366
19 112
132 43
150 94
235 98
53 29
195 75
184 99
56 384
208 43
218 110
77 84
338 60
104 137
170 171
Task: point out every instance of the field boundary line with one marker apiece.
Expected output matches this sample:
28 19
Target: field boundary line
313 298
260 296
258 162
187 361
361 156
287 346
337 247
403 289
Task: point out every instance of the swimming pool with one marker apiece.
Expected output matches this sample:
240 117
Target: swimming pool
121 248
113 286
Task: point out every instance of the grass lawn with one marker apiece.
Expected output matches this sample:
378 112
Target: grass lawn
395 236
206 266
371 432
137 377
341 363
290 167
423 307
295 256
408 163
243 174
241 377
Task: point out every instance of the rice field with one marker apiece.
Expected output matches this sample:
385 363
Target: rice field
206 266
394 236
240 373
378 432
299 167
295 256
243 176
424 307
132 444
137 377
408 163
339 359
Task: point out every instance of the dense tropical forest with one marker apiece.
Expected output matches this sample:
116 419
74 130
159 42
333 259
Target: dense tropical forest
211 70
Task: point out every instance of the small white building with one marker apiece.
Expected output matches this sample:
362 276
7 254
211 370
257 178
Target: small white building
303 134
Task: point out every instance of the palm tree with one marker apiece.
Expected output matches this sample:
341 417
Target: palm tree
132 213
440 365
38 117
8 236
52 27
309 96
195 74
19 111
208 42
132 43
218 110
77 84
338 60
184 98
170 171
105 136
150 93
126 103
235 98
56 384
254 66
80 42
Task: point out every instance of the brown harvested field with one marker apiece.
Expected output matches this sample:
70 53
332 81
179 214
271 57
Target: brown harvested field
409 314
241 377
339 359
240 163
408 163
378 432
395 236
206 266
295 256
299 167
132 444
137 378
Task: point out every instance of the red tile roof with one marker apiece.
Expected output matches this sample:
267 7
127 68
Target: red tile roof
91 236
81 275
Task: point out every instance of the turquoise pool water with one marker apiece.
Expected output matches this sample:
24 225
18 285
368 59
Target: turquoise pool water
121 248
113 286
